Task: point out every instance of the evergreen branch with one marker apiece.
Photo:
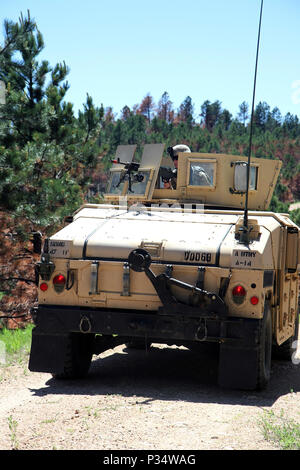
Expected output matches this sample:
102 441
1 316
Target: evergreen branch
26 26
9 118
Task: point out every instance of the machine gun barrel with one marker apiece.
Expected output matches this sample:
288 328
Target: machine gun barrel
129 166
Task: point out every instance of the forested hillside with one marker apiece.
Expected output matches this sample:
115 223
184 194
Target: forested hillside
51 159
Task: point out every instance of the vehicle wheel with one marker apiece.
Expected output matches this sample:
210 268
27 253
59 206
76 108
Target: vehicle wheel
79 352
265 350
285 351
138 344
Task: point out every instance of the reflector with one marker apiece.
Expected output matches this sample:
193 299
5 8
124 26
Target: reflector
254 300
43 286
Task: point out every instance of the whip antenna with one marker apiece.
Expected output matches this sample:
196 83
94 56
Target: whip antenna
246 229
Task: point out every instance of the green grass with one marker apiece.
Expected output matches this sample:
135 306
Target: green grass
13 424
283 432
16 342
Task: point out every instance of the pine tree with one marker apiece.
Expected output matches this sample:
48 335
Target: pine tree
147 106
210 113
261 115
243 114
291 125
125 113
165 108
25 82
14 34
186 112
45 153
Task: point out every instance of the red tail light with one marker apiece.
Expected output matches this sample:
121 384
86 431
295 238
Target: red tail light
238 294
43 286
59 282
254 300
239 291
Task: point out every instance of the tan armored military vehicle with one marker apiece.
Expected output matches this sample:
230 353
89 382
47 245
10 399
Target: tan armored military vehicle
157 264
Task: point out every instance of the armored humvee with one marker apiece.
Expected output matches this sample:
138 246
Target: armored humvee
172 265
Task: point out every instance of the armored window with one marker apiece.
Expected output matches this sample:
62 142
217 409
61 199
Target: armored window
202 173
253 178
140 182
137 184
240 177
114 185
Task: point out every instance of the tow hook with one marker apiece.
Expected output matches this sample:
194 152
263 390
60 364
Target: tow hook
201 333
85 325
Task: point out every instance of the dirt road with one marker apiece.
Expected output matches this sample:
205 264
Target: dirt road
166 398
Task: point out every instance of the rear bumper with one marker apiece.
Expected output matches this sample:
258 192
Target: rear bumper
62 320
238 337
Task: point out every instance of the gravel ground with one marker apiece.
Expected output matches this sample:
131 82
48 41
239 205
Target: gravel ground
161 399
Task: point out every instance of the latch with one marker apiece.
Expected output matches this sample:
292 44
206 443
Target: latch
94 278
200 279
153 248
126 280
194 297
169 270
224 285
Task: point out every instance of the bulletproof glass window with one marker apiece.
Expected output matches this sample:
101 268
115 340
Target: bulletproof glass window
253 178
240 177
140 182
113 184
202 174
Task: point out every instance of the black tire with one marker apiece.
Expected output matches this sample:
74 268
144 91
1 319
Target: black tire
265 350
138 344
79 352
285 351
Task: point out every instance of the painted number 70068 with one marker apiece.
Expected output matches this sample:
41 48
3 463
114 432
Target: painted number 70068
197 256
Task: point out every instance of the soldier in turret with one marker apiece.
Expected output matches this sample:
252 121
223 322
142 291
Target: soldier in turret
198 176
173 152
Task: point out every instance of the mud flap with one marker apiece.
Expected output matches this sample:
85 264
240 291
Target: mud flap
238 367
247 366
47 352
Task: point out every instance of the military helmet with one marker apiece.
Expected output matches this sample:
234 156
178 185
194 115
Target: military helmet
174 151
